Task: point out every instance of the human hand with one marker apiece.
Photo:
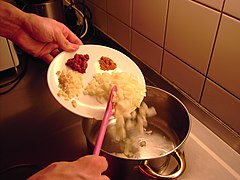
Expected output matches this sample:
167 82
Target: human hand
44 37
89 167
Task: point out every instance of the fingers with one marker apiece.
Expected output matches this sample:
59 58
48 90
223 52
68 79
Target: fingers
101 163
67 40
98 162
88 167
70 36
48 52
104 177
47 58
73 38
65 45
55 52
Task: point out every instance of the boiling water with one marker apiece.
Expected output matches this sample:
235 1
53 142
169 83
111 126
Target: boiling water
150 144
154 144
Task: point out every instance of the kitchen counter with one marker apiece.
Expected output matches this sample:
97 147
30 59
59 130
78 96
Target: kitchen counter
35 129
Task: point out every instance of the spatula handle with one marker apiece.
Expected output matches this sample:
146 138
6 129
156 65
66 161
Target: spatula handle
104 124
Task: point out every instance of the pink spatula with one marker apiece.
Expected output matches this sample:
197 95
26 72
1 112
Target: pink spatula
104 123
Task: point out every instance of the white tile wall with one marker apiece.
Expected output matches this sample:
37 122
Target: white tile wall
203 39
191 31
182 75
150 53
217 4
121 10
232 7
225 64
99 16
100 3
120 32
145 21
221 103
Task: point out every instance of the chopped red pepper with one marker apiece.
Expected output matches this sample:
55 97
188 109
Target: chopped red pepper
78 63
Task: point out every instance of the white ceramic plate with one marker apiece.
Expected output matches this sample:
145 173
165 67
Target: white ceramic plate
88 106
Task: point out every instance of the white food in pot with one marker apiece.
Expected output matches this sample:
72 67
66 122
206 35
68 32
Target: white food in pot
127 128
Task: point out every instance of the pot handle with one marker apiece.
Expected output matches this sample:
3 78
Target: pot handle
147 170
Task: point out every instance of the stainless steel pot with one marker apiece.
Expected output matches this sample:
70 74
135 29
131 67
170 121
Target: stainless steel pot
169 129
47 8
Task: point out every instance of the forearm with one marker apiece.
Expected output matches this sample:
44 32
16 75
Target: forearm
11 19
